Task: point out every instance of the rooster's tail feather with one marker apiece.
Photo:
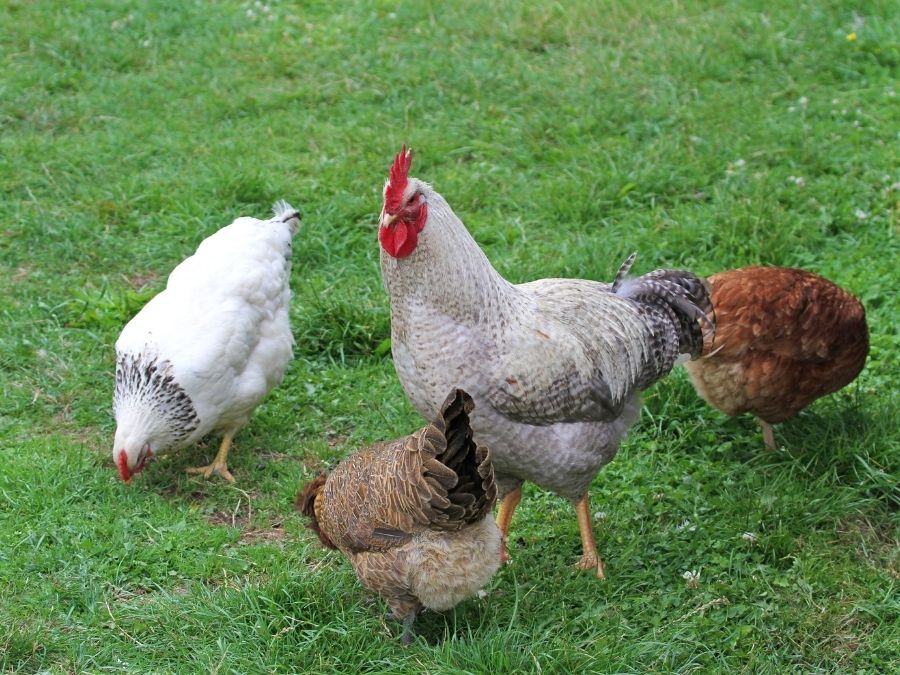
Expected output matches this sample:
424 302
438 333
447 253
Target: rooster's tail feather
683 295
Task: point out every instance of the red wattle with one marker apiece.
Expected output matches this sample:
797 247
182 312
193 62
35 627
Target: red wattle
123 466
398 239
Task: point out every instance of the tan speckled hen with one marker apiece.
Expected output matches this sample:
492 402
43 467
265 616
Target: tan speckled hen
414 515
784 337
554 366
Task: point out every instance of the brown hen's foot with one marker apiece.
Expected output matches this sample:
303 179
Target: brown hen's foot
219 465
590 559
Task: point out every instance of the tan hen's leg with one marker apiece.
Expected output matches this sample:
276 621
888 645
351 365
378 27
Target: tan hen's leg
218 465
504 517
590 559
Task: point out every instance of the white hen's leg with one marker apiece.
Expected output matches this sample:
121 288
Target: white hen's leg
590 559
219 465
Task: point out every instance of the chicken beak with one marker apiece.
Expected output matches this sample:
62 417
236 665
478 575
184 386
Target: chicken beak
387 219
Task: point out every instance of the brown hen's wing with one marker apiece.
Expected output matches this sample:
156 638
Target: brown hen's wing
434 478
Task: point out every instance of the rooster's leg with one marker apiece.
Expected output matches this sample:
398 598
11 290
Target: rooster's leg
768 435
590 559
219 465
504 518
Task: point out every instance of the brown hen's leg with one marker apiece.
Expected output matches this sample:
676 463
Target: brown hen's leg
590 559
219 465
768 435
504 518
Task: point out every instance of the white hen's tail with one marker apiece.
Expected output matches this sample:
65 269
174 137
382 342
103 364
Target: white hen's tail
286 213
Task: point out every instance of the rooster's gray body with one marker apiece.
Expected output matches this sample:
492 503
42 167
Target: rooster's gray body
554 365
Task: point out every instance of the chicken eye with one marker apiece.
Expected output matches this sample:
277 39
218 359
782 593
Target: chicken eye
412 198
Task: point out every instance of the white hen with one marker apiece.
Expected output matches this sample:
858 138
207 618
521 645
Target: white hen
201 355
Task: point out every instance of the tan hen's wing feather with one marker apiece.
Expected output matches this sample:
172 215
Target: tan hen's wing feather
434 478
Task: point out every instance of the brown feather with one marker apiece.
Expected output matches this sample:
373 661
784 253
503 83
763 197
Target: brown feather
399 510
784 337
305 503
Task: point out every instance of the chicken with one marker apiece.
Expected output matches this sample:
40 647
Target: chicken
413 515
554 365
785 337
202 354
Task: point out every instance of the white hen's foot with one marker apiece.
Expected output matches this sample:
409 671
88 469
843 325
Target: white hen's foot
219 465
218 468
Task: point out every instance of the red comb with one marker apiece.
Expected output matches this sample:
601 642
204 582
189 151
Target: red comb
393 193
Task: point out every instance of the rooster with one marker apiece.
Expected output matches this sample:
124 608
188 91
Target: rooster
202 354
785 338
413 515
554 365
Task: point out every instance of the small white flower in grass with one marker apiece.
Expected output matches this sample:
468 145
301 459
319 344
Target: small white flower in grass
735 166
749 537
834 101
482 594
600 515
799 181
145 43
859 213
803 101
692 578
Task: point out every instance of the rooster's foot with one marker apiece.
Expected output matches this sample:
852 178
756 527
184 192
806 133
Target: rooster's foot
591 561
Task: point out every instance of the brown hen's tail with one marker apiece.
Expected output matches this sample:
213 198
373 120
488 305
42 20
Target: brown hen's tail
463 468
305 501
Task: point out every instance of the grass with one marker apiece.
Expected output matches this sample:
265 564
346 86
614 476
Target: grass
705 135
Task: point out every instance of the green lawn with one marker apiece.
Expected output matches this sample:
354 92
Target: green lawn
707 135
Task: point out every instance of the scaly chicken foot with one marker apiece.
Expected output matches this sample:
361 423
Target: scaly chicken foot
590 558
504 517
406 613
768 435
219 465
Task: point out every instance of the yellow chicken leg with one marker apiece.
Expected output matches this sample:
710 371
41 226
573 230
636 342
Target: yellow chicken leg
218 465
590 559
504 518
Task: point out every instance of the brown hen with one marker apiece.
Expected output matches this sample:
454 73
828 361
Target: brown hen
414 515
784 337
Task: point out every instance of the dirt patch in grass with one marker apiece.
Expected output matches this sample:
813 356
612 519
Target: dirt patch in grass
142 280
309 462
271 535
241 519
874 544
